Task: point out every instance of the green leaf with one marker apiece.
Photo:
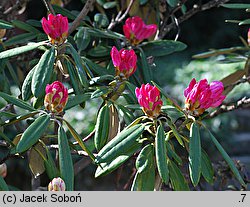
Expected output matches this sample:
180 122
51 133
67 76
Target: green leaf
26 87
142 161
17 102
25 26
227 159
43 73
79 66
99 51
97 69
76 100
162 47
127 115
65 160
19 50
120 143
20 39
176 177
77 137
173 3
110 5
146 71
3 185
206 167
175 131
101 19
104 33
236 6
5 25
145 180
82 39
50 166
99 92
247 21
172 154
102 127
161 154
195 154
32 134
64 12
142 2
108 167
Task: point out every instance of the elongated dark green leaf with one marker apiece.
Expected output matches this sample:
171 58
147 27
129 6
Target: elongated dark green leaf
25 26
172 3
206 167
95 68
101 20
102 128
172 154
64 12
99 92
236 6
176 177
79 66
7 139
147 73
18 118
3 185
227 159
142 161
65 160
19 50
77 137
43 72
26 87
104 33
246 21
20 39
127 115
76 100
109 5
50 166
99 51
32 134
5 25
82 39
108 167
17 102
162 47
195 154
161 154
145 180
122 142
175 132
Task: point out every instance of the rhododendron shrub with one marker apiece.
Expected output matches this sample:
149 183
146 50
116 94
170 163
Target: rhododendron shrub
79 59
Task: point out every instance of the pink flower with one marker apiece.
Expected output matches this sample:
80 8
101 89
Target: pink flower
56 97
248 37
149 98
57 184
56 27
201 96
124 62
3 170
135 30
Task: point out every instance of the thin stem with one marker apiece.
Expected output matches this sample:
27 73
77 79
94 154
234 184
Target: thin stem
49 7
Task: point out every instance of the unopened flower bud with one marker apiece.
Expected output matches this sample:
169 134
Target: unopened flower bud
135 30
56 27
57 184
149 98
56 97
3 170
124 62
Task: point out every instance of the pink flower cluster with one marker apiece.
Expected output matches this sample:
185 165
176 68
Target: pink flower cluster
149 98
248 37
201 96
56 97
57 184
124 62
56 27
135 30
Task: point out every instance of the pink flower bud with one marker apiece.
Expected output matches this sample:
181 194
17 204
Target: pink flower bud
248 37
56 27
149 98
124 62
135 30
56 97
201 96
57 184
3 170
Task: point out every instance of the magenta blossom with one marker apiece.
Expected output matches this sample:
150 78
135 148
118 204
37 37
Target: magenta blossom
124 62
248 37
57 184
56 97
56 27
149 98
201 96
135 30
